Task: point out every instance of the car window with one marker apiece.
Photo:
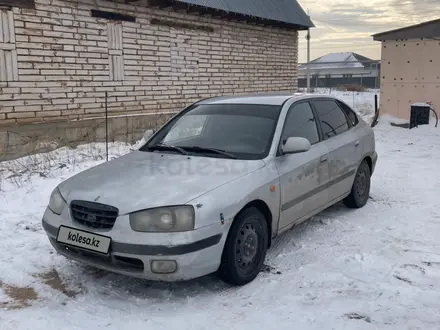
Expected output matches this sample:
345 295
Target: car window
350 114
332 118
187 126
300 122
244 130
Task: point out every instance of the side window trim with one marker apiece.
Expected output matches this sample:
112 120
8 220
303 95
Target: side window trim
324 138
317 120
342 106
318 127
349 123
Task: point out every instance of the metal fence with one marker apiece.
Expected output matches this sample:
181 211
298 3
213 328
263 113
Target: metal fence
360 74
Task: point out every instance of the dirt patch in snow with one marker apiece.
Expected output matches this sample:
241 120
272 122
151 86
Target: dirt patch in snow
356 316
270 270
21 296
52 279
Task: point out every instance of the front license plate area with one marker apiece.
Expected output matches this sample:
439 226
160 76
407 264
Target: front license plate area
84 240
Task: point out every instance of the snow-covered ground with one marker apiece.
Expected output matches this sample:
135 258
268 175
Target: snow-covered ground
373 268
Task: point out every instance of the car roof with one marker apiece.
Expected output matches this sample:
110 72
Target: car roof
262 98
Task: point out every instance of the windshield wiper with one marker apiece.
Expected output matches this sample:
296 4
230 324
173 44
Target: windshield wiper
163 146
213 150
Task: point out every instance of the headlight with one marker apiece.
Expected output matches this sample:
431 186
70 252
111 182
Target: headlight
56 202
163 219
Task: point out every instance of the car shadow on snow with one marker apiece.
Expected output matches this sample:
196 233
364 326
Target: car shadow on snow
335 218
115 285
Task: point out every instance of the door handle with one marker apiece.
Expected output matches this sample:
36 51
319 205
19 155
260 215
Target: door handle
357 143
323 159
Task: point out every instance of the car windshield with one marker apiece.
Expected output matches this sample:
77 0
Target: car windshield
242 131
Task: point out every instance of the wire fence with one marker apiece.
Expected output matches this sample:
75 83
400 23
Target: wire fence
103 128
365 102
69 144
342 75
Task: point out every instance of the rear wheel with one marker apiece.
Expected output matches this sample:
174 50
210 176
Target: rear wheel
360 191
245 248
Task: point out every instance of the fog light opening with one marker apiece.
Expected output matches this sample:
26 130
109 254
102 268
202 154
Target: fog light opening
163 266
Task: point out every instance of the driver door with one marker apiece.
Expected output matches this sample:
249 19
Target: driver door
303 176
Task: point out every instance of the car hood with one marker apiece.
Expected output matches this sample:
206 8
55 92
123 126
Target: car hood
141 180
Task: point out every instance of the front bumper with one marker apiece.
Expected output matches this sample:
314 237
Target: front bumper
196 253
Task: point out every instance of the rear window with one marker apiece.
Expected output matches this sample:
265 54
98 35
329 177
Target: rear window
332 118
351 115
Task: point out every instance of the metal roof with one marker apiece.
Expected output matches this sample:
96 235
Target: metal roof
338 61
430 29
285 11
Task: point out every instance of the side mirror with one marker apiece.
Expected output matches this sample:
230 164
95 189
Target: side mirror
296 145
148 133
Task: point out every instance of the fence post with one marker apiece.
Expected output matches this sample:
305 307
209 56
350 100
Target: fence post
375 104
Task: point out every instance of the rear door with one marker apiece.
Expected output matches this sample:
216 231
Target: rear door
353 122
302 175
338 132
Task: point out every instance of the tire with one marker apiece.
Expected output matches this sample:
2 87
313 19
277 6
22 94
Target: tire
360 191
245 248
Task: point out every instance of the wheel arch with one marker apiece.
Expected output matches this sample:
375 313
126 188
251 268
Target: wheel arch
261 206
369 162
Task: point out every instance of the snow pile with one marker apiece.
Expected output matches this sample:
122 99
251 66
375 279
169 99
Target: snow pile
20 171
373 268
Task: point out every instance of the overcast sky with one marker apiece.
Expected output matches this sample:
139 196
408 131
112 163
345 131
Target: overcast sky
347 25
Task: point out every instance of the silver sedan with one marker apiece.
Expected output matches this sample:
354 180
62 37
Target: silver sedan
210 190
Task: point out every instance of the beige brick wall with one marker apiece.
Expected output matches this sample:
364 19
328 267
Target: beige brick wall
410 74
67 60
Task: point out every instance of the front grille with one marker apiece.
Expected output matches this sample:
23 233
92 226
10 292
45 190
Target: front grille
94 215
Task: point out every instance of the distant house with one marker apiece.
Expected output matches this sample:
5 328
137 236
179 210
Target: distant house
338 69
411 68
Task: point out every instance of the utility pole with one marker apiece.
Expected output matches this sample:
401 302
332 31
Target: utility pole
308 57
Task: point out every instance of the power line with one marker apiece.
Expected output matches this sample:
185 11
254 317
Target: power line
409 3
350 19
347 46
344 40
368 61
395 4
401 5
392 5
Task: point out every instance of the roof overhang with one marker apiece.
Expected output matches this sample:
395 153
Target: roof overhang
429 29
195 8
18 3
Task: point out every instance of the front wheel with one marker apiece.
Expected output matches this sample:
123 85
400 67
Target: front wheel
360 191
245 248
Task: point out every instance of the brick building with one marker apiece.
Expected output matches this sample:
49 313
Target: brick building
58 58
